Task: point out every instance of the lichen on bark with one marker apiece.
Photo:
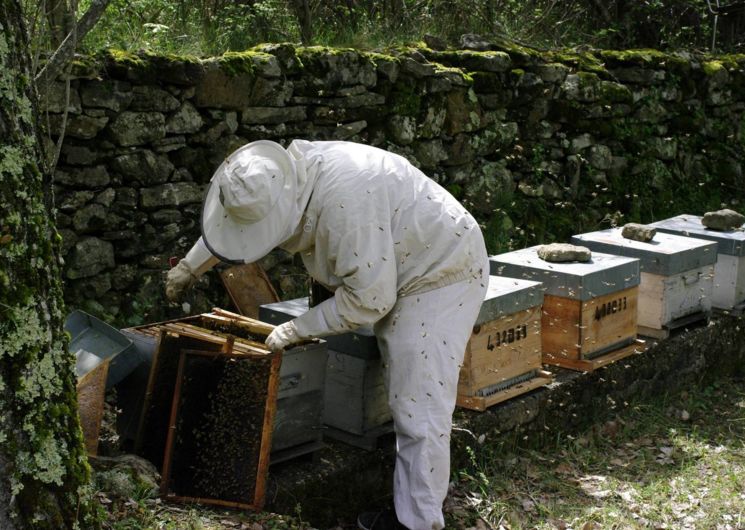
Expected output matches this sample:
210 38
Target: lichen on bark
44 468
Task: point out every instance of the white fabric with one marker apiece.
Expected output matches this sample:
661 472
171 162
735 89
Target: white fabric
422 341
282 336
376 228
254 202
199 259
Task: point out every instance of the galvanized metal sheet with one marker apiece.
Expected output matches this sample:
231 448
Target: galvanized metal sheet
360 343
603 274
666 254
730 242
506 296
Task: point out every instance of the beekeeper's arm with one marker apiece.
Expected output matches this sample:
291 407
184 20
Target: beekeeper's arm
364 260
196 262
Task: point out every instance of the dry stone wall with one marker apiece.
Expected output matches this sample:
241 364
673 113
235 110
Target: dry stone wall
538 145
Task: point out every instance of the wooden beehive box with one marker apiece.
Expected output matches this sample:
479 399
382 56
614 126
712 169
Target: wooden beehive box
677 276
503 355
729 271
355 403
589 316
295 433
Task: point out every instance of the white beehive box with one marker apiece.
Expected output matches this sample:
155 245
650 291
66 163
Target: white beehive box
503 355
677 276
729 271
355 402
589 316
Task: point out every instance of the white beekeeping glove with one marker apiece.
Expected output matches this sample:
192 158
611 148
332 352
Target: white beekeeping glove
180 278
283 335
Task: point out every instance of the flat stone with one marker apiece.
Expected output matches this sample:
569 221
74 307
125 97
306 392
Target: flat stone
143 166
564 253
112 95
638 232
171 195
149 98
87 177
137 128
185 120
56 99
88 257
723 220
273 115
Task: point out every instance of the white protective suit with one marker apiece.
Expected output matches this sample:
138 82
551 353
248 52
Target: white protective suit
401 254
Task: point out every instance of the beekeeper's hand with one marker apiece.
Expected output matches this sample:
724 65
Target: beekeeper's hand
283 335
179 279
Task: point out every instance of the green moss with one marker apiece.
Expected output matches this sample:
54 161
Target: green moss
711 68
124 58
238 63
640 57
582 61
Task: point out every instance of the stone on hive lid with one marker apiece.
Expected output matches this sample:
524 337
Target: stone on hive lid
667 254
564 253
638 232
731 242
723 220
603 274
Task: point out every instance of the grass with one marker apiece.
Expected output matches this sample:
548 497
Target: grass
678 463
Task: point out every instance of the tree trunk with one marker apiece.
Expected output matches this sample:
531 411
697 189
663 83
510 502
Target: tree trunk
302 12
43 467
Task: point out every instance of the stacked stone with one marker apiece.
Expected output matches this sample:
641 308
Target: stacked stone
534 143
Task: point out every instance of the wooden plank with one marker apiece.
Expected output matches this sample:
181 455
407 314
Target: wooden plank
589 365
257 325
560 321
500 350
481 403
248 287
91 390
608 320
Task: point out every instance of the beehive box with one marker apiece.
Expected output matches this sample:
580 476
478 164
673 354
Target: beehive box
729 271
589 316
293 435
222 412
99 363
355 404
503 355
677 276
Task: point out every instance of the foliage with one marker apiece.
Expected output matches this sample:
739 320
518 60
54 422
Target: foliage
209 27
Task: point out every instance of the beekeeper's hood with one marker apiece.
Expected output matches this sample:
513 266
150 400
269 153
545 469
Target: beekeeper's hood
255 201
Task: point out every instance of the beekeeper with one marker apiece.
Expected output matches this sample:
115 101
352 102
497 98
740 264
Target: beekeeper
399 253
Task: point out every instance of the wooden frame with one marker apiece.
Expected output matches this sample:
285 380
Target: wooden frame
255 499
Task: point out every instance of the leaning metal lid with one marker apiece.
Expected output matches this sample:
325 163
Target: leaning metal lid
506 296
666 254
603 274
731 242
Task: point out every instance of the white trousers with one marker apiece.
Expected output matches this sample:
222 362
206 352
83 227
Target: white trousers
422 341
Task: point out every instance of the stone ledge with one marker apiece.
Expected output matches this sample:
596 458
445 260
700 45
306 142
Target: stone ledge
340 480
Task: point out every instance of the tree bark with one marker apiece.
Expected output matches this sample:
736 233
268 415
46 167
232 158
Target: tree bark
66 50
43 466
302 12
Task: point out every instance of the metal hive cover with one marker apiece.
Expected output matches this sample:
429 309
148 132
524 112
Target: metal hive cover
603 274
506 296
666 254
730 242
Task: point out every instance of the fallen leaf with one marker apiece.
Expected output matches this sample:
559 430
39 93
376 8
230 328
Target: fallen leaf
528 505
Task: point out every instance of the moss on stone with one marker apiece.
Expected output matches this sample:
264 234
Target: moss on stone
640 57
711 68
238 63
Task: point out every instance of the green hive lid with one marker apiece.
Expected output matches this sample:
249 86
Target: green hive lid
506 296
603 274
666 254
730 242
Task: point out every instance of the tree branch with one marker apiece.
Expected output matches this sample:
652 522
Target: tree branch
66 50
